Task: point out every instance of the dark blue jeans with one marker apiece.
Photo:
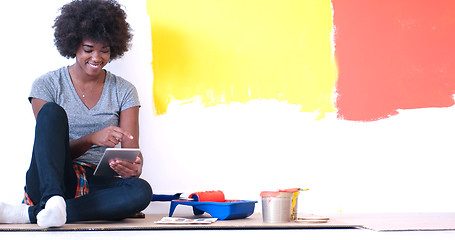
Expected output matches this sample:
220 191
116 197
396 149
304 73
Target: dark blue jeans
51 173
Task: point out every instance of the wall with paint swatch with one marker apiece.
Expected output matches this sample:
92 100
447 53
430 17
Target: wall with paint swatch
353 100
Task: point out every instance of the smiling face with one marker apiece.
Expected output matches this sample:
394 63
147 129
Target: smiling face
91 57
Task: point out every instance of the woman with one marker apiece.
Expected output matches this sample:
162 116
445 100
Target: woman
81 110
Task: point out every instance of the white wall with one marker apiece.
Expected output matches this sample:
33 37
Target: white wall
403 163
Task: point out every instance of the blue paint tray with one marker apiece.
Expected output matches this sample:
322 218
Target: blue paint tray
229 209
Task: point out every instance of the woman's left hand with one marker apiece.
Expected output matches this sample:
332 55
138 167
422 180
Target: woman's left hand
127 169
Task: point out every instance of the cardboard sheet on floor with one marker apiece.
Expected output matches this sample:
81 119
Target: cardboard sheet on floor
148 223
401 221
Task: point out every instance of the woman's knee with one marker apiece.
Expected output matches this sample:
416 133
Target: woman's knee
52 110
145 189
51 118
141 191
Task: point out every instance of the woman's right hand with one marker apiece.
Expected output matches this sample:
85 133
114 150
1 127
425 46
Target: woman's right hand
109 136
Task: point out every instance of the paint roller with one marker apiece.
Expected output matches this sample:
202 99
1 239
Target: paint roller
202 196
208 196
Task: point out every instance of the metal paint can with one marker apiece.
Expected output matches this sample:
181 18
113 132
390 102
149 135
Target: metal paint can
276 207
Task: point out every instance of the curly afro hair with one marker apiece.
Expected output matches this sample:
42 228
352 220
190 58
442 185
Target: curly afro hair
96 20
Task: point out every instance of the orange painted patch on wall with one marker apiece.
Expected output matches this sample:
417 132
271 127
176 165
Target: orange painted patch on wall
218 52
393 54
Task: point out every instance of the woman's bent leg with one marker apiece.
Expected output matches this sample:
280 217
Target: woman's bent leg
113 199
51 172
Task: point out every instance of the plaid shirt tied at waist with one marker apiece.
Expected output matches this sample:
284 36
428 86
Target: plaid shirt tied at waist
82 183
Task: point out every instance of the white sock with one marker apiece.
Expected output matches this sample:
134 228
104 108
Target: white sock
14 213
53 214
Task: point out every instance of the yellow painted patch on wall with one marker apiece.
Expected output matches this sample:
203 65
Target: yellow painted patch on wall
219 52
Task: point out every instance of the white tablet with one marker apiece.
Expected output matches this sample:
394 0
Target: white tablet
127 154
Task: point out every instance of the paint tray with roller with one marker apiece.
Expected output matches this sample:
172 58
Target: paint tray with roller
214 203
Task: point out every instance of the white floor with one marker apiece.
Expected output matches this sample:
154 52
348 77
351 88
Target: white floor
313 234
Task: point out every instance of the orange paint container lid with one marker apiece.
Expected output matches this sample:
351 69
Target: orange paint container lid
290 190
276 194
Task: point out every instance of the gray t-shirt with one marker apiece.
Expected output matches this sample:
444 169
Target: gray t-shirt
118 95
